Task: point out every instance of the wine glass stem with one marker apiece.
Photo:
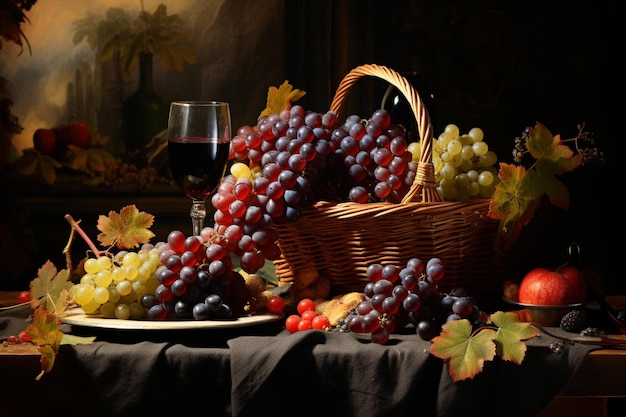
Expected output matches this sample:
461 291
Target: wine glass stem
197 213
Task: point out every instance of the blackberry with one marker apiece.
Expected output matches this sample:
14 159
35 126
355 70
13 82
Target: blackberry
574 321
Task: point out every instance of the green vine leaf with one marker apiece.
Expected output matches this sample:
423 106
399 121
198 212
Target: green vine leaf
518 194
510 335
71 339
50 289
463 351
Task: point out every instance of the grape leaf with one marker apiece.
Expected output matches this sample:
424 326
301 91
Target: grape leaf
510 336
49 289
88 160
267 271
279 99
48 355
517 196
44 333
557 157
126 230
71 339
515 200
463 352
552 187
34 164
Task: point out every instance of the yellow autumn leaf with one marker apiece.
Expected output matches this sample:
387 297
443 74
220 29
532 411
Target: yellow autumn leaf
44 333
550 152
88 160
515 193
41 167
127 229
279 99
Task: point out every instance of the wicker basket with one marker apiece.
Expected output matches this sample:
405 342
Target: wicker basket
340 240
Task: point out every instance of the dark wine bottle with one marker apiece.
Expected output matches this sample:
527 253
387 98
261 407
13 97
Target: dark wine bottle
144 114
398 107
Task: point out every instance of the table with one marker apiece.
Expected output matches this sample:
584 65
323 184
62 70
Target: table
266 370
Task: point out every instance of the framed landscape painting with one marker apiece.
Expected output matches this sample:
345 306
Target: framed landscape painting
82 60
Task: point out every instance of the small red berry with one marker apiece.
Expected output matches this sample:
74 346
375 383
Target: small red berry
24 337
308 315
305 304
292 322
305 325
275 305
24 297
321 322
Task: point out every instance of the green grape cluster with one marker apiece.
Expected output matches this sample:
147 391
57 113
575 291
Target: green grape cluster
465 167
113 286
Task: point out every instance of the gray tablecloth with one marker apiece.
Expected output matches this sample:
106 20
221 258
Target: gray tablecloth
264 370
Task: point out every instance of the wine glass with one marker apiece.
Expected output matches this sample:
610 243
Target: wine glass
198 144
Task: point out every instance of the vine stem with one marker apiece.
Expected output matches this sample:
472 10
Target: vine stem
481 328
76 227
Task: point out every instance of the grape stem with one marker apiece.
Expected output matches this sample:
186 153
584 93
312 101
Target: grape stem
76 227
67 248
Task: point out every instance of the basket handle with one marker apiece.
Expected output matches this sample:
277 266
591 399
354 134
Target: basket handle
424 185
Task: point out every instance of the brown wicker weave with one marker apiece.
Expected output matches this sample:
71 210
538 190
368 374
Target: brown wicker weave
341 239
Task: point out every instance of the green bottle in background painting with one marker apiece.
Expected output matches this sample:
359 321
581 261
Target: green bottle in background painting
144 114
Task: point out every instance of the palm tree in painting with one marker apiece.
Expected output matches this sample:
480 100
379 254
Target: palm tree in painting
122 37
123 41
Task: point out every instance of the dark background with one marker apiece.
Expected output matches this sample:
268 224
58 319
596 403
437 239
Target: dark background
497 65
500 66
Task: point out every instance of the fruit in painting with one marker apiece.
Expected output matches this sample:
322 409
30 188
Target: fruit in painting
78 134
63 134
542 286
54 141
45 141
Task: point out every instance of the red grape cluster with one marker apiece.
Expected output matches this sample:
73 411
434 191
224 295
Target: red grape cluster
373 155
197 280
290 159
397 297
298 157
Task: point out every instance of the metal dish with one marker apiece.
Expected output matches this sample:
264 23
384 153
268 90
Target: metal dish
544 315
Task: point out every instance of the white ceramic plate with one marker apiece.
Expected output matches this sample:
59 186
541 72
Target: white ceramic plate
77 317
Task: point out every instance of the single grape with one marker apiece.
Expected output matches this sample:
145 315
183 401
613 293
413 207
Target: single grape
462 306
201 312
426 329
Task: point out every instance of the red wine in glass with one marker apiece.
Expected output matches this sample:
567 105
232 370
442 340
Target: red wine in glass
198 142
198 164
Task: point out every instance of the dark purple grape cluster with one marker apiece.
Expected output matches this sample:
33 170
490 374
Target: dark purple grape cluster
292 158
297 158
398 297
196 281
